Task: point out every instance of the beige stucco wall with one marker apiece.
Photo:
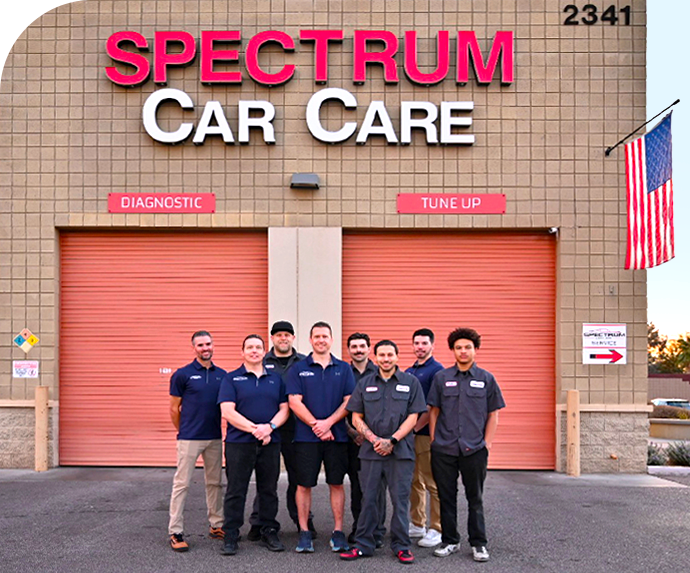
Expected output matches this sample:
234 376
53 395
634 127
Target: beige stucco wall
70 137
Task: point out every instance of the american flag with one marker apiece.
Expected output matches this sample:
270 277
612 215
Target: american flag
650 198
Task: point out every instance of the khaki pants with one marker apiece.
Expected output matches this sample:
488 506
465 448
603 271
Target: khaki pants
188 451
423 481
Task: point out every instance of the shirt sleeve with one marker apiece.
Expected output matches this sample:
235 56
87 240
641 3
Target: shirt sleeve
226 392
417 402
433 398
350 383
494 399
178 382
292 382
355 404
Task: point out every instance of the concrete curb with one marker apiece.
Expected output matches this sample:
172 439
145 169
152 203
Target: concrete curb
668 470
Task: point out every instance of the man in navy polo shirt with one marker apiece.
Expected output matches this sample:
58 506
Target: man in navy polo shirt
254 403
424 369
464 401
318 389
278 360
196 416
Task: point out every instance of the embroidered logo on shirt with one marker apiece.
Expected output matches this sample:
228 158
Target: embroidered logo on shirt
270 365
195 377
451 383
476 384
402 388
372 388
306 373
238 378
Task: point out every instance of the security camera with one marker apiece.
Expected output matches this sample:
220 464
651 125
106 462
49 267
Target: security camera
553 230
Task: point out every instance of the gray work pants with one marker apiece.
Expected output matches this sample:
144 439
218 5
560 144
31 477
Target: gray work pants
397 474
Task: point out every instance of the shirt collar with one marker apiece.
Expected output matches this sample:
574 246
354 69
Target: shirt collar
244 370
310 359
370 367
429 362
471 372
200 366
394 375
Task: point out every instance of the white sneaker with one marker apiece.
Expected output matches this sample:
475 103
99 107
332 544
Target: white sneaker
415 531
480 553
431 539
446 550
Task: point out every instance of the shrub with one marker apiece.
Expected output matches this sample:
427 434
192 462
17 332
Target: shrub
670 412
656 455
679 453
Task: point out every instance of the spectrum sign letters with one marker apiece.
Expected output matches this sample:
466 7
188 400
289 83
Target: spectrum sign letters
440 123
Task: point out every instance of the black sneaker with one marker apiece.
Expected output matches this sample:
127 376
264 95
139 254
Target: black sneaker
311 528
230 546
254 533
270 540
378 542
351 537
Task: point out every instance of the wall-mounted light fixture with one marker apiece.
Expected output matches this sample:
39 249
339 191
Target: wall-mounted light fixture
305 181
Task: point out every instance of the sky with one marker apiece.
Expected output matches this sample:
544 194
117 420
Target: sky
667 80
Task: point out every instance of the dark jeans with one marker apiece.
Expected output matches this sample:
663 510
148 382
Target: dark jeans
353 467
287 448
397 474
473 471
240 461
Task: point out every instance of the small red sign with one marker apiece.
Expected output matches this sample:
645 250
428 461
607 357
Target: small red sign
161 203
447 204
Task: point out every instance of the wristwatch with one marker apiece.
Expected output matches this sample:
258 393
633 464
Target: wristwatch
273 426
394 440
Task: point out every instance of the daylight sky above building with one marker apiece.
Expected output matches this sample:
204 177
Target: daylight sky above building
667 80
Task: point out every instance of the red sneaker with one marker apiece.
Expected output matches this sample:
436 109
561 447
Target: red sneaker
352 554
405 556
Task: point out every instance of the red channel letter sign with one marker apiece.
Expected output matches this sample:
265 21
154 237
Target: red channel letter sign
161 203
447 204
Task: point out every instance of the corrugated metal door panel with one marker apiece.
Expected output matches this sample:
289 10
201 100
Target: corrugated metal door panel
501 284
129 302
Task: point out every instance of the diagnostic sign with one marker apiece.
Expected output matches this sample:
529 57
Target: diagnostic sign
604 344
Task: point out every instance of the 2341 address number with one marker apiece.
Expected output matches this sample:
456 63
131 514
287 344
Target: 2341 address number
589 15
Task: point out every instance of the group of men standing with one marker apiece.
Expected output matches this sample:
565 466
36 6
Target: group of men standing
409 432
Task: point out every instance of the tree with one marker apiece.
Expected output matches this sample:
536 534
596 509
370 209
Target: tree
667 356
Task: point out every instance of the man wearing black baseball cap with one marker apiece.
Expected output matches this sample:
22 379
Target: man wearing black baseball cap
279 360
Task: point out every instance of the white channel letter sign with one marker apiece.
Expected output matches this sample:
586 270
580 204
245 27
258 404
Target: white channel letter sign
604 344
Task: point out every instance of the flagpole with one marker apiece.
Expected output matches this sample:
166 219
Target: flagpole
610 149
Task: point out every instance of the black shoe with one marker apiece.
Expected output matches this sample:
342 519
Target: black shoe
379 542
270 540
254 533
351 537
230 546
310 526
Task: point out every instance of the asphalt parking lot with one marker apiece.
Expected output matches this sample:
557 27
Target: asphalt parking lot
81 519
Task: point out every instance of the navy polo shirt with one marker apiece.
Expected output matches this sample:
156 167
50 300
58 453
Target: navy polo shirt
385 405
257 399
465 400
198 388
425 374
322 391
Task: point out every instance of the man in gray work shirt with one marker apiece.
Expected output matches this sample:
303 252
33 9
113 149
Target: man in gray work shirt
385 407
463 416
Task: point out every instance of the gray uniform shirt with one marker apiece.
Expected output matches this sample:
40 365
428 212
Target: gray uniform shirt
465 400
385 406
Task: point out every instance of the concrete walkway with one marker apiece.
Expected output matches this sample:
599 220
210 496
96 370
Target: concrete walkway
78 519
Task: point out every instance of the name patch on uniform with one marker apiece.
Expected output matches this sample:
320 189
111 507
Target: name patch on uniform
476 384
402 388
306 373
451 383
372 388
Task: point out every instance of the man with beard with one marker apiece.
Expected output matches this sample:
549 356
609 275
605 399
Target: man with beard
196 416
279 360
254 403
359 348
424 369
385 407
318 390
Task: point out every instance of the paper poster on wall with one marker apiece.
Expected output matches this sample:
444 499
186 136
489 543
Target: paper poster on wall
25 369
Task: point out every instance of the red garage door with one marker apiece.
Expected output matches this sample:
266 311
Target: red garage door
128 305
501 284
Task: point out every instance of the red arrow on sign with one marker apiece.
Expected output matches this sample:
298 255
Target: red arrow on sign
614 356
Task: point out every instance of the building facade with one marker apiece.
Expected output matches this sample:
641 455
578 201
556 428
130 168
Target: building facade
170 166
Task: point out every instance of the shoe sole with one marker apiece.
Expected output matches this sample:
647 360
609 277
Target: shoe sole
180 549
224 552
445 554
299 550
481 559
407 562
423 543
274 548
339 549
